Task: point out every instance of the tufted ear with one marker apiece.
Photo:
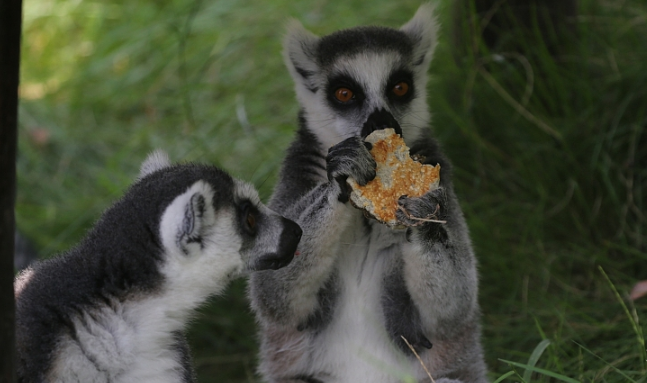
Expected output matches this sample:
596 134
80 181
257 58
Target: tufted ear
185 219
299 53
423 31
155 161
191 228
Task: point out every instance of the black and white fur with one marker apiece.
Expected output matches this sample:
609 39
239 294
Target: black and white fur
337 313
114 308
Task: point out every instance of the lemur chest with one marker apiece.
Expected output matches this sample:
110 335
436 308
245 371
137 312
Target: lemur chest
357 335
123 342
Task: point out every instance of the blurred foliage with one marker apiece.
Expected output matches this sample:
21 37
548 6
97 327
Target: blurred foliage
550 151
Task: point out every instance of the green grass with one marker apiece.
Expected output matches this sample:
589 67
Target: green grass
550 154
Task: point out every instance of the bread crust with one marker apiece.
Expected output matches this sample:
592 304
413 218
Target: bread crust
397 175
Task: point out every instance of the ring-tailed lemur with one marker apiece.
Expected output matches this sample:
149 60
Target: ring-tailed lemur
339 311
113 308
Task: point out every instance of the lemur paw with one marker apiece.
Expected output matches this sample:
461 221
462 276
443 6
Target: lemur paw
428 212
426 209
350 158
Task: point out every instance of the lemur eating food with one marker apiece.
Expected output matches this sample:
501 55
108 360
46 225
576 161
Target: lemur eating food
396 175
114 307
342 310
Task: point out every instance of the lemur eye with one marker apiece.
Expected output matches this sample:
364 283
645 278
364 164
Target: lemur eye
344 94
401 88
251 221
248 217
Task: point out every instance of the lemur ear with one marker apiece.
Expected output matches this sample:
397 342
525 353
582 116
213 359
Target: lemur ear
191 228
423 31
184 220
299 53
155 161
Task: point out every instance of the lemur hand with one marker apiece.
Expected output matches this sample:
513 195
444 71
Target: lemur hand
428 212
350 158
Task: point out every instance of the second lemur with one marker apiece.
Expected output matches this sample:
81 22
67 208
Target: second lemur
114 308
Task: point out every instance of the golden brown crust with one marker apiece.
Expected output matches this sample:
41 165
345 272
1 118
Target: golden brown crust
397 175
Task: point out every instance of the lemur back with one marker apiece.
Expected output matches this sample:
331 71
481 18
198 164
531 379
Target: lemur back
339 312
114 308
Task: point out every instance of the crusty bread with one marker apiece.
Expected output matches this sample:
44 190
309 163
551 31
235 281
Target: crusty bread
397 175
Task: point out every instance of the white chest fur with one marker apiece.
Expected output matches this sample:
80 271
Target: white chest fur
127 342
357 336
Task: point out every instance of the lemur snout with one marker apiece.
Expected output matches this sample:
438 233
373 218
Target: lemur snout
380 119
287 247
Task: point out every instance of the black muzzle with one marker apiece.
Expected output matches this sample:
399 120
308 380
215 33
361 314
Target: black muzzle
288 242
380 119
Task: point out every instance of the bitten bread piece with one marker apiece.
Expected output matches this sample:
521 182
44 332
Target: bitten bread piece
397 175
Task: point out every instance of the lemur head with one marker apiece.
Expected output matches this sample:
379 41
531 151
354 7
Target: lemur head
210 226
358 80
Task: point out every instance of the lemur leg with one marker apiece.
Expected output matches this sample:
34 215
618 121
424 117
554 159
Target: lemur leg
439 264
440 275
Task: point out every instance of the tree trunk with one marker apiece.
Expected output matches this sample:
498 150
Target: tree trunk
10 23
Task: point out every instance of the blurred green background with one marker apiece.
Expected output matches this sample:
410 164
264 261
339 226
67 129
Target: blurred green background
547 129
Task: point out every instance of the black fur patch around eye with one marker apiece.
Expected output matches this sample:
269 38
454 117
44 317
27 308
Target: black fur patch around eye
344 81
244 208
396 77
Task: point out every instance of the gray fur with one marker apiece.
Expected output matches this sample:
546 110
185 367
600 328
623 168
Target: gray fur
338 311
114 308
155 161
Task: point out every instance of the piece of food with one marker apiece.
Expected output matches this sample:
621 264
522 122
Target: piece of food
397 175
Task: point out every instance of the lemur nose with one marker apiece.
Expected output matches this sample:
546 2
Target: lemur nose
380 119
293 229
287 248
290 239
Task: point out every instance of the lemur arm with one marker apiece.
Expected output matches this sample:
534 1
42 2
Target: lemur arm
310 192
439 263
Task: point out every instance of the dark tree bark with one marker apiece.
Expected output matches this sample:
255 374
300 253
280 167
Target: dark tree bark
10 24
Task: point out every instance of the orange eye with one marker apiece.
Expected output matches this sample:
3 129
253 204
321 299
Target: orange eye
251 221
344 94
401 88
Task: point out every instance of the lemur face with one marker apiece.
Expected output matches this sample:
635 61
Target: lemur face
245 232
269 241
216 226
358 80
